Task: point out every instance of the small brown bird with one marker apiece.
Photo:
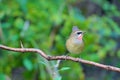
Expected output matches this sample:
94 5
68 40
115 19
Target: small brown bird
74 43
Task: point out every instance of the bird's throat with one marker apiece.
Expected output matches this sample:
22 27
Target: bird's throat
80 37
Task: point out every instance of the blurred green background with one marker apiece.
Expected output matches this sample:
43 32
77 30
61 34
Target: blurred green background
46 24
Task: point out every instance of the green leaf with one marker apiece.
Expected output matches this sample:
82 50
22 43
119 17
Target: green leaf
2 76
64 68
19 23
42 63
58 78
118 53
28 64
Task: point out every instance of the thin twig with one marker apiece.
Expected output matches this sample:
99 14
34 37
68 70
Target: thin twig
21 44
107 67
58 63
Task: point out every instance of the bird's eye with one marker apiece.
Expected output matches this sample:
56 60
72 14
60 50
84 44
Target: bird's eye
79 33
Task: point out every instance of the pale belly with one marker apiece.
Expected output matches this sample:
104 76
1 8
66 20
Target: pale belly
74 48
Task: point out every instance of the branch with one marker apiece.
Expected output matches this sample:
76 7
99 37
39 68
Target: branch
107 67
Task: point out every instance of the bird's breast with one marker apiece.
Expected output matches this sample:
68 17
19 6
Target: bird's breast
74 46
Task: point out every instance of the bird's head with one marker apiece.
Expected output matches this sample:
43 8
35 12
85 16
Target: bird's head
77 33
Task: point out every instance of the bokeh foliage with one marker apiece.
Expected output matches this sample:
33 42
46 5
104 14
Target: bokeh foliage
46 24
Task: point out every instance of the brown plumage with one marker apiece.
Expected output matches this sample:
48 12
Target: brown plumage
74 43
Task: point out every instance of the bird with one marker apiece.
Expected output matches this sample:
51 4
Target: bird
74 43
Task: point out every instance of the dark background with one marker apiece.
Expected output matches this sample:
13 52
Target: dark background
46 24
